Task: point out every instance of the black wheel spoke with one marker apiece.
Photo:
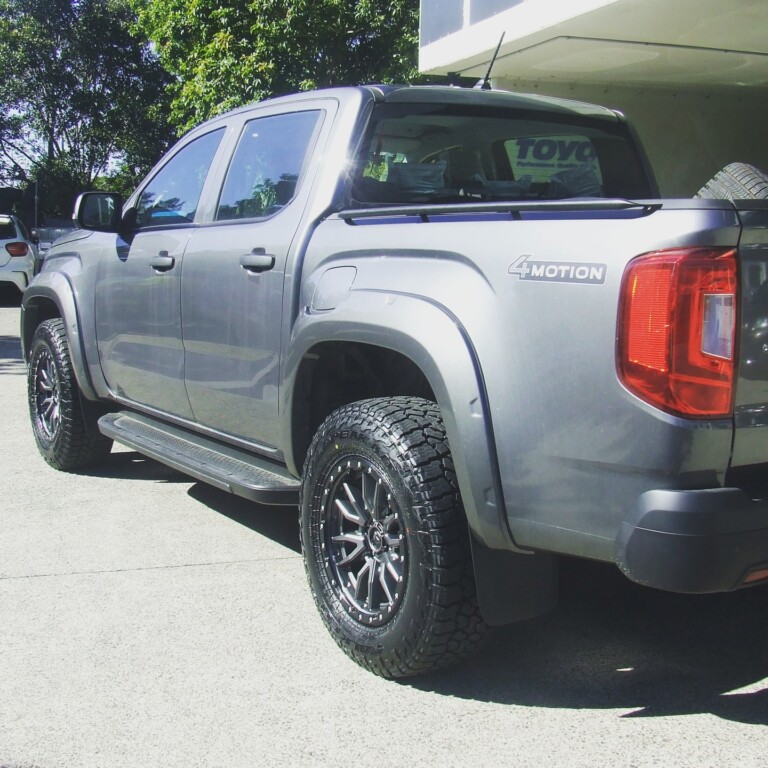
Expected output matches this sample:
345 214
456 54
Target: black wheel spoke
357 540
393 566
370 487
382 567
359 579
353 508
371 583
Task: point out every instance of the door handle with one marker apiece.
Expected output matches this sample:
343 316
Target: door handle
162 262
258 260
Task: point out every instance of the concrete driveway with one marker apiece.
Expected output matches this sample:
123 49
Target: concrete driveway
149 621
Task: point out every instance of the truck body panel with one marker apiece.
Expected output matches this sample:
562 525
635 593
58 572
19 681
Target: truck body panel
570 470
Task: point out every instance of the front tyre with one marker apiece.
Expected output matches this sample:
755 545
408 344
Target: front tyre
385 540
64 438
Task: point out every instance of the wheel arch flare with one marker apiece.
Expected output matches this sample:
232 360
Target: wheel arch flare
428 335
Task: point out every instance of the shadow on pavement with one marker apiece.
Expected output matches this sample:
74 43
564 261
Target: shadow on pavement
11 360
280 524
10 348
130 465
9 296
614 645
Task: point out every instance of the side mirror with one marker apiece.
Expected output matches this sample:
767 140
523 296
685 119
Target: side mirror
98 211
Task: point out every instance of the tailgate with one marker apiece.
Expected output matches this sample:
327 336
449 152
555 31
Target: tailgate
751 406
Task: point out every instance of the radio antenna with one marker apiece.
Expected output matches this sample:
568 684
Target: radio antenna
485 83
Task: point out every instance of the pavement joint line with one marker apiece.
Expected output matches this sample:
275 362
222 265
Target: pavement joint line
147 568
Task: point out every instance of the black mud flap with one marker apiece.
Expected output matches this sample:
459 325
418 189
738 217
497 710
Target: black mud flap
511 586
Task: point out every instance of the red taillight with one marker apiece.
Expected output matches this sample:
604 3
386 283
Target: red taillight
17 249
677 327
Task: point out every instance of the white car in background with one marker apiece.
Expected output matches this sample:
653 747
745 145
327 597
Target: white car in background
17 253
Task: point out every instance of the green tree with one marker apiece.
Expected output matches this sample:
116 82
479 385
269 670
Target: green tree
224 53
81 97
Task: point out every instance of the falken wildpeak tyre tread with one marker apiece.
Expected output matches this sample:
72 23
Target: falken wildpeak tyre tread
437 621
65 441
737 181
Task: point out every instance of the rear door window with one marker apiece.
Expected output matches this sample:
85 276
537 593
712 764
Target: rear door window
265 169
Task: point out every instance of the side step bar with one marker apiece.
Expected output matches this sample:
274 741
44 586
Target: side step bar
222 466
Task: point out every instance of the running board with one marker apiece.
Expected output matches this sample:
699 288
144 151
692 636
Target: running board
222 466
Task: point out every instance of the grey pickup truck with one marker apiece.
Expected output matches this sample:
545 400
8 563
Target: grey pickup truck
458 328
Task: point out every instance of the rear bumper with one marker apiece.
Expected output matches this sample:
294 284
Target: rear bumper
695 541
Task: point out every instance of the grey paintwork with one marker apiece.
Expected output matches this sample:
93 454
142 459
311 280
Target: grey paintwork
574 449
551 451
138 326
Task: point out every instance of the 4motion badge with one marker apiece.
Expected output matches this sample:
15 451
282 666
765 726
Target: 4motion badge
527 268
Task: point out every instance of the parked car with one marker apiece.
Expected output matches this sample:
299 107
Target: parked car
459 328
17 253
45 237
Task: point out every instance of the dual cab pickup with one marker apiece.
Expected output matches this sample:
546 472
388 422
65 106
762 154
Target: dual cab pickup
457 327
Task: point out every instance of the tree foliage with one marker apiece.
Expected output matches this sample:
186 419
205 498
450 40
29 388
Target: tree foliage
81 96
224 53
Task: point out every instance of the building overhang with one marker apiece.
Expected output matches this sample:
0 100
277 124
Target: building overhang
708 44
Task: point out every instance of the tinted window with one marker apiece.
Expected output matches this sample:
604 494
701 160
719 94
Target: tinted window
436 153
266 166
7 230
173 194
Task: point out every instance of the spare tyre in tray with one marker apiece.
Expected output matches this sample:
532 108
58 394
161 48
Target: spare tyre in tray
737 181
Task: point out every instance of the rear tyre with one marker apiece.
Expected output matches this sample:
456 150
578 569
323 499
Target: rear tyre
385 540
66 440
737 181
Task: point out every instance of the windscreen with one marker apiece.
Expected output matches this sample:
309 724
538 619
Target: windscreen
426 153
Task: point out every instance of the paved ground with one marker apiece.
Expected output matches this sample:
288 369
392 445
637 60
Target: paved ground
148 621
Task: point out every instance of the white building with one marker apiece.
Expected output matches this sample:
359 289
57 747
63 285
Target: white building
692 75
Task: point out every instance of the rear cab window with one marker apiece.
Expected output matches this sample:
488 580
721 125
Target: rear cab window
432 153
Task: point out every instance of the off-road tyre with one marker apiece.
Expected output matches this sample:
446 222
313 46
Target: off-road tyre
737 181
385 539
63 436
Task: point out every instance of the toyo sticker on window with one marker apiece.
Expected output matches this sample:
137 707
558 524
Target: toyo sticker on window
543 157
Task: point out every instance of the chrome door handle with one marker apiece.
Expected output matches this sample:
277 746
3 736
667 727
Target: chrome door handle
257 261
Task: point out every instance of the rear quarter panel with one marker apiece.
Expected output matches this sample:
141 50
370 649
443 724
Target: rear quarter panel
574 448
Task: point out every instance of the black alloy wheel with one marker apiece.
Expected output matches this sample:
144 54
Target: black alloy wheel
363 538
385 540
64 436
47 394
